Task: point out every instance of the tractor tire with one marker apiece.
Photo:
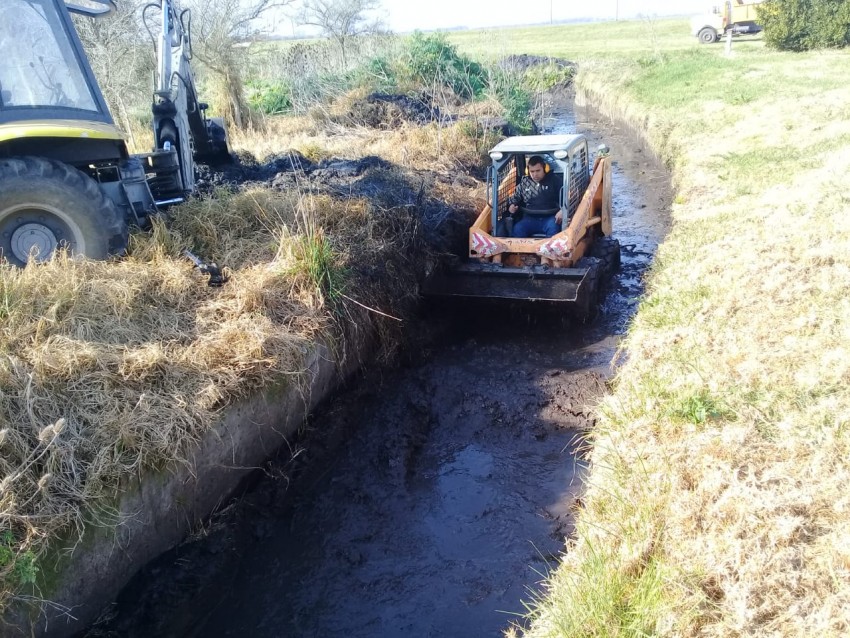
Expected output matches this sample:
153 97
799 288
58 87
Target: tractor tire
707 35
45 205
607 250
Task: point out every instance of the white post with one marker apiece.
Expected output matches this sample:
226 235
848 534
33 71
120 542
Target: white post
729 42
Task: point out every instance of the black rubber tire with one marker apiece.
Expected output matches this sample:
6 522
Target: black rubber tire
607 250
59 204
707 35
587 305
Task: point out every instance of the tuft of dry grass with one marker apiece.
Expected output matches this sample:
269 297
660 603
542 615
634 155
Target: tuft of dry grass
455 143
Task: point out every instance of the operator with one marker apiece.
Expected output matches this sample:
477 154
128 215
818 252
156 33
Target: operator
537 195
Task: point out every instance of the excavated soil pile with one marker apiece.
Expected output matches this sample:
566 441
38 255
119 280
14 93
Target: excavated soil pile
388 111
444 203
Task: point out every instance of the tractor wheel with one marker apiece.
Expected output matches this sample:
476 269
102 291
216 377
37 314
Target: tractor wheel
607 250
45 205
707 35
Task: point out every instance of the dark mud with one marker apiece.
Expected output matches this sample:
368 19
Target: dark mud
432 498
388 111
523 62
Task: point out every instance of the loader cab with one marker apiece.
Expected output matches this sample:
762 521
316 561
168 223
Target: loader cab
50 103
44 73
566 157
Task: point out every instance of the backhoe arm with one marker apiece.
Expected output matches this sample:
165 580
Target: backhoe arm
179 120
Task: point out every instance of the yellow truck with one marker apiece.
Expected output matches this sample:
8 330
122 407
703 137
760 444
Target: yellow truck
735 16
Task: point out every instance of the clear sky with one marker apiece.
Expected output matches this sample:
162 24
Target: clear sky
427 15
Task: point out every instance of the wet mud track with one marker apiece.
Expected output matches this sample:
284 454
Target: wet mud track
428 500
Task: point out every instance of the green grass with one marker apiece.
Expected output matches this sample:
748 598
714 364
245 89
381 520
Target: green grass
608 40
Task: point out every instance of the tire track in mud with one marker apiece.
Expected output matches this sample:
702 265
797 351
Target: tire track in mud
428 499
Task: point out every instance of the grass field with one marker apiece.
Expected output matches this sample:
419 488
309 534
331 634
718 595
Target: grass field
717 502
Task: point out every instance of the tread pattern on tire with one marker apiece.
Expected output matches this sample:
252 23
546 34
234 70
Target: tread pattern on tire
103 209
607 250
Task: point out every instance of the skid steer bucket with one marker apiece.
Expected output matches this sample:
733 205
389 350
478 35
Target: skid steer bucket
576 286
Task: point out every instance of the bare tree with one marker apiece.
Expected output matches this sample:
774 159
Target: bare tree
220 29
341 20
123 56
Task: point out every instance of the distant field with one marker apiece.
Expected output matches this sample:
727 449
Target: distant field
580 41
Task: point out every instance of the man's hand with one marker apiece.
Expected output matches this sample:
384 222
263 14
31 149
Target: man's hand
513 208
559 216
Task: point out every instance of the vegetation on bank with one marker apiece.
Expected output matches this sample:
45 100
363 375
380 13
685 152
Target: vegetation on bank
803 25
111 368
717 502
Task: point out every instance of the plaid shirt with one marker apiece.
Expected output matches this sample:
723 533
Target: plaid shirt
542 196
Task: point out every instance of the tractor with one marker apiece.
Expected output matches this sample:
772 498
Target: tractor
67 179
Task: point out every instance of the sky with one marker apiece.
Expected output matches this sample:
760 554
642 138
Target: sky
427 15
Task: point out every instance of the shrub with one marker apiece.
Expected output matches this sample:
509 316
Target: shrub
517 104
270 98
802 25
432 59
377 73
542 77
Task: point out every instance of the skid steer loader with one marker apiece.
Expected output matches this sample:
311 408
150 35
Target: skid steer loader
567 267
67 179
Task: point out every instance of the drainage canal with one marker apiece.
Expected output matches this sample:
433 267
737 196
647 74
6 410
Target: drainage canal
429 500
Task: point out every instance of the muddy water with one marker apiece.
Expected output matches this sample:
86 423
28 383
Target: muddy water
428 500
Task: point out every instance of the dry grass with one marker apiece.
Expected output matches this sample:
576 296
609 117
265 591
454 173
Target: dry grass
717 501
455 143
110 368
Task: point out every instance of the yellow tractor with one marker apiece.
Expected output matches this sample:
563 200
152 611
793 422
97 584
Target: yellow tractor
568 263
67 179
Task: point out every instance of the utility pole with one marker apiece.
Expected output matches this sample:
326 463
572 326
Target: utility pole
616 10
550 12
